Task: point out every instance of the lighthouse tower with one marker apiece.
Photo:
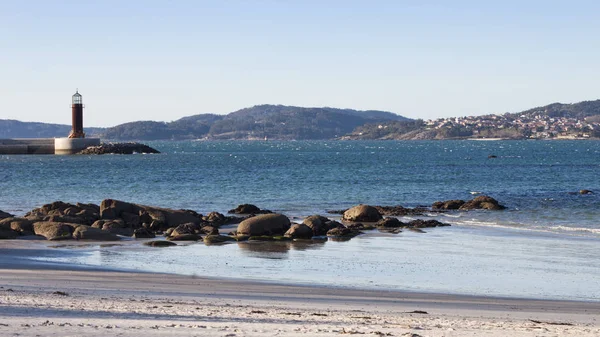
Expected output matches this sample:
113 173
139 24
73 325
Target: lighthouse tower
77 116
76 140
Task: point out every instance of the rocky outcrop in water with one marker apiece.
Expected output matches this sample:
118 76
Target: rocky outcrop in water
362 213
118 148
480 202
248 209
114 219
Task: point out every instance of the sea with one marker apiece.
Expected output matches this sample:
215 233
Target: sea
544 245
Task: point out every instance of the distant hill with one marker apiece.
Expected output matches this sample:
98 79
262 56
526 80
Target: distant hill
15 129
579 110
258 122
557 120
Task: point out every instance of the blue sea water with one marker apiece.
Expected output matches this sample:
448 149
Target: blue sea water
543 245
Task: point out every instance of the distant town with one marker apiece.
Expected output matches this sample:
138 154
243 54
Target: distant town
537 126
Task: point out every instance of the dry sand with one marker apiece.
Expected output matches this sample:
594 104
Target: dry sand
45 302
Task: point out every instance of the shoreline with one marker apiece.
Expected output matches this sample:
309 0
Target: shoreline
44 299
99 303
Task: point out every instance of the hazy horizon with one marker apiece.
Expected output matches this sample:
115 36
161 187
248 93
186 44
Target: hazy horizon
158 60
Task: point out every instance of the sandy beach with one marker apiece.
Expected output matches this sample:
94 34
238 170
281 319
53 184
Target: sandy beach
39 300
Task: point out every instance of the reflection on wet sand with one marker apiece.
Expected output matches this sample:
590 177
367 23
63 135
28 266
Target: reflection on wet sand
276 250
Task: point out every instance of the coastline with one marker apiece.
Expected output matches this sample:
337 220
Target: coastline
40 300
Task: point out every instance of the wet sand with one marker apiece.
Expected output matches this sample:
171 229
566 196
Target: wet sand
38 299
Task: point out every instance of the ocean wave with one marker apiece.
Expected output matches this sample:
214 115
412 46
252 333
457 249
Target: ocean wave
531 228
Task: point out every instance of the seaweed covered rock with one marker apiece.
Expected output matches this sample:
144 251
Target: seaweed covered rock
118 148
362 213
419 223
217 239
264 224
160 243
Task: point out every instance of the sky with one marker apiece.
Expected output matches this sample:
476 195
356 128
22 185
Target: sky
163 60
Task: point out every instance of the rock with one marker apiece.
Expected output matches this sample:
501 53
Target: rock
143 233
248 209
419 223
362 213
216 239
317 224
114 226
8 234
390 223
482 202
20 225
343 232
215 219
399 210
160 217
4 215
160 243
59 211
448 205
264 224
185 237
299 231
209 230
84 232
580 192
118 148
54 230
184 229
67 219
131 220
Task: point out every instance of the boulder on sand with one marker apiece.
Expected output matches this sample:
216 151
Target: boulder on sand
84 232
54 230
264 224
318 224
299 231
20 225
362 213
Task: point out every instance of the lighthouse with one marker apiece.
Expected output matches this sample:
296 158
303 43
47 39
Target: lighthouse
77 116
76 140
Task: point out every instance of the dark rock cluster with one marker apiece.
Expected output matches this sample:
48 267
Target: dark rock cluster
113 219
480 202
118 148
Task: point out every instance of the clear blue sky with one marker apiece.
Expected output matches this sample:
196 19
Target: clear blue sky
162 60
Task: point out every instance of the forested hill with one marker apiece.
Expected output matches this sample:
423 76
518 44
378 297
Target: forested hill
16 129
258 122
